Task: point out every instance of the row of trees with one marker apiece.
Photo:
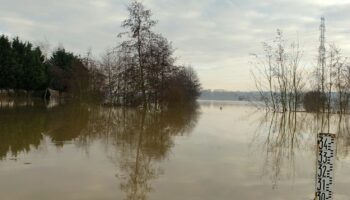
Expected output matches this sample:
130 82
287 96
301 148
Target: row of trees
285 84
141 70
21 65
24 67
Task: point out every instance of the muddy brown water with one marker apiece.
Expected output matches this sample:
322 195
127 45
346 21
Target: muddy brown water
218 150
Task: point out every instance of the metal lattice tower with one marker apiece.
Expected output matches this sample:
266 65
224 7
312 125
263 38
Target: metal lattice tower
322 54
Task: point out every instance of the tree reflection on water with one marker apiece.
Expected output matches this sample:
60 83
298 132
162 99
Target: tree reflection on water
287 134
136 140
142 139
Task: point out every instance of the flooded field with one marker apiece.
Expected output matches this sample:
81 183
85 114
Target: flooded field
218 150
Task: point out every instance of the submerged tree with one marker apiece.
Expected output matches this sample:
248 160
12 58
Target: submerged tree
71 74
138 35
182 87
141 70
331 76
313 101
278 76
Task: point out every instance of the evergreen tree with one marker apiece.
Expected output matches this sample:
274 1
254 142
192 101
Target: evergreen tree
21 65
7 79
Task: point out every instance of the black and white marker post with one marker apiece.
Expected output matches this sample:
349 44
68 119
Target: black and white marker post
325 166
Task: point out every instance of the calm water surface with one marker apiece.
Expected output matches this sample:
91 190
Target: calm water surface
220 150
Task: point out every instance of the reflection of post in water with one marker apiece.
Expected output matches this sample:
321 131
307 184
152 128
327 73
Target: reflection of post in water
286 133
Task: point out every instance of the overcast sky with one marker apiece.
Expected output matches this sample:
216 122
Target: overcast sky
215 36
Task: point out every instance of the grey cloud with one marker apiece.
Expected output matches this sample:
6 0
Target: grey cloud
215 36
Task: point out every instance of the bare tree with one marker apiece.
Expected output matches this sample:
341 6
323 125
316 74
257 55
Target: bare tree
109 65
278 75
139 26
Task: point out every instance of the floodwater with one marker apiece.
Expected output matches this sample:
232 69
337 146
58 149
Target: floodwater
216 151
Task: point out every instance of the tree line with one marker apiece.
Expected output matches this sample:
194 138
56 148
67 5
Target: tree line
140 71
23 67
285 83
